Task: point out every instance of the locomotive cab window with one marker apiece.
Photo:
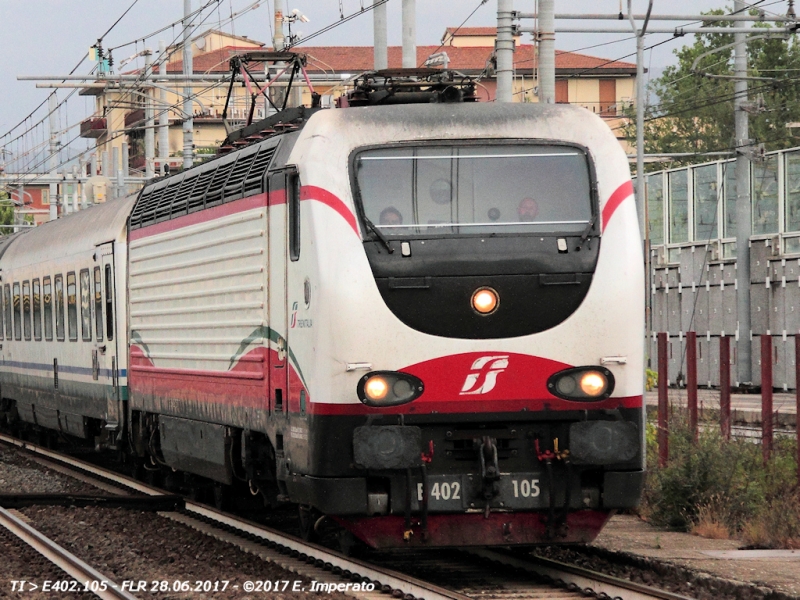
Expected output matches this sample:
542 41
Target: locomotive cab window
47 297
17 313
37 310
59 285
72 307
475 189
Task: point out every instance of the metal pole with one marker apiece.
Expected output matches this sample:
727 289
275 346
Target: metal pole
105 167
53 156
691 380
547 52
381 50
409 34
766 396
663 425
149 133
725 386
278 39
163 116
743 227
188 69
124 171
797 398
688 18
113 171
504 48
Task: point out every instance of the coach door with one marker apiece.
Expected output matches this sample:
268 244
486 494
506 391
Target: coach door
278 310
105 357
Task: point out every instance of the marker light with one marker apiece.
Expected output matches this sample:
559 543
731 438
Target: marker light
582 383
388 388
485 301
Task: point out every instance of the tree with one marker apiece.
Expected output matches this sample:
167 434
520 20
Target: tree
6 213
694 112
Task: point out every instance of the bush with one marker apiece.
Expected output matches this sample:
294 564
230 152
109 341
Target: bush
716 488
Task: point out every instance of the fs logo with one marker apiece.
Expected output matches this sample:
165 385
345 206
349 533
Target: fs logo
293 322
484 376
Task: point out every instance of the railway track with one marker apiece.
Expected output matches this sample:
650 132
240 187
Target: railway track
431 575
85 578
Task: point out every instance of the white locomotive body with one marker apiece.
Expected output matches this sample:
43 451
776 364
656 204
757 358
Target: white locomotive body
424 321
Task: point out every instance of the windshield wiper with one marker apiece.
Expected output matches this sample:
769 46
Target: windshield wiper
585 235
371 226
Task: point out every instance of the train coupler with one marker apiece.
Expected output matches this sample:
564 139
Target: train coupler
490 474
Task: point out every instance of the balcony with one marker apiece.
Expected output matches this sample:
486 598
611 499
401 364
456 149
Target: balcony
94 127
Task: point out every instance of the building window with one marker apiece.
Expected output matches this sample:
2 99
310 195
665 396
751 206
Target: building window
45 197
72 307
47 290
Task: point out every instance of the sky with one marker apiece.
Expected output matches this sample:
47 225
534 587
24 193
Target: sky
50 37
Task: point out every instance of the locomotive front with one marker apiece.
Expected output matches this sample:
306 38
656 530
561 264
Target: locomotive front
474 299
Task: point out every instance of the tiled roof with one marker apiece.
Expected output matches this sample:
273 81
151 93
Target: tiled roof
353 59
472 31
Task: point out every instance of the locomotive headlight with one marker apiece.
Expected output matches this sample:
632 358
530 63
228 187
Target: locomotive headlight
593 383
388 388
582 383
376 388
485 300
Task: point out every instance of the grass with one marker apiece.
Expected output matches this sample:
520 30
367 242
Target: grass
722 489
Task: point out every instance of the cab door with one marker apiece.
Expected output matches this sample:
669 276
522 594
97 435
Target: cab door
105 355
278 309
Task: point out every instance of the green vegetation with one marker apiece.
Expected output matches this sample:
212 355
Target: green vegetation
694 112
722 489
6 213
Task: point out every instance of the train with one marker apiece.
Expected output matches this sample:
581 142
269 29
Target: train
421 321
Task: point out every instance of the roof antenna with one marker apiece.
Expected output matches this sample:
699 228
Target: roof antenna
621 17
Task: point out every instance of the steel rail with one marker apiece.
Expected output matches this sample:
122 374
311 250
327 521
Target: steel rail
599 583
64 560
583 578
395 580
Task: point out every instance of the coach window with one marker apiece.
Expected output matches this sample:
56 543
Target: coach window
17 313
47 296
293 192
98 303
109 303
26 309
37 311
86 306
59 285
2 312
7 310
72 307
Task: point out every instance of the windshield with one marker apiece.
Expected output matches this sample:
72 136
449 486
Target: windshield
446 190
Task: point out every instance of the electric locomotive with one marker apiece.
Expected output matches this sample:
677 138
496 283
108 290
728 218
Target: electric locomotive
422 320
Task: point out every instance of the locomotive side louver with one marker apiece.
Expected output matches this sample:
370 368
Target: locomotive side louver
237 176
